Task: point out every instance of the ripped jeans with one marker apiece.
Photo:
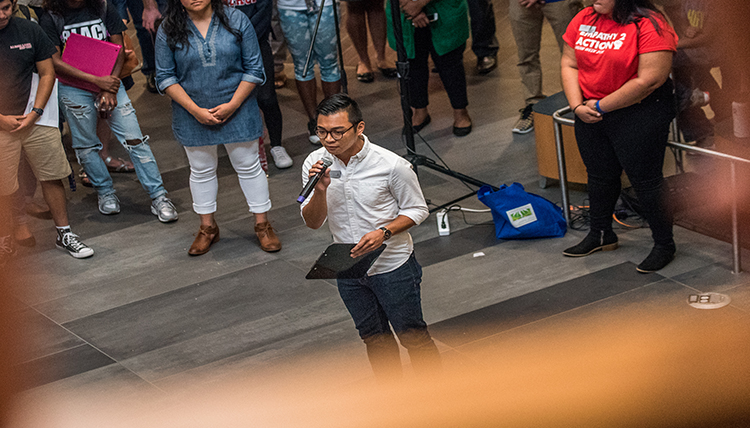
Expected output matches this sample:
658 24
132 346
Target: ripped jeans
78 108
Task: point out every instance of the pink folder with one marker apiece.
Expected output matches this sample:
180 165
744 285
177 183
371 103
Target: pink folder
92 56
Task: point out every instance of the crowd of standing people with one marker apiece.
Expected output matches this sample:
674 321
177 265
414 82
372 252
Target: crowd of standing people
239 47
616 60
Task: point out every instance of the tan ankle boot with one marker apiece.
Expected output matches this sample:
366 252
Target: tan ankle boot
207 235
269 242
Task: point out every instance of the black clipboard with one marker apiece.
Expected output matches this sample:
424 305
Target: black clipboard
336 262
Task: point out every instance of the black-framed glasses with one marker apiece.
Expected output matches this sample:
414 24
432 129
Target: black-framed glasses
322 133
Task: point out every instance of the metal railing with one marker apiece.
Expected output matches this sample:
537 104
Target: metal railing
559 121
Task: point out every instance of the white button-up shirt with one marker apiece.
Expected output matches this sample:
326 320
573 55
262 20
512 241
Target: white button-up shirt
370 192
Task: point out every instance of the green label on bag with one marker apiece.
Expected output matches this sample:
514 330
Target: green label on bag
521 216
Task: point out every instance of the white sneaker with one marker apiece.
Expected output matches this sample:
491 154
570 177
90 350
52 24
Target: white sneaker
281 157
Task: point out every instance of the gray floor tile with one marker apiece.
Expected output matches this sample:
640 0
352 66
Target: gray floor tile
45 337
530 307
195 310
64 364
112 384
241 338
333 354
104 282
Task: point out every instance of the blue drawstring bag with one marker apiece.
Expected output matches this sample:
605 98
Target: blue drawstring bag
521 215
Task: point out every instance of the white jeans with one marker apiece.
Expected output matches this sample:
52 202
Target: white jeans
204 184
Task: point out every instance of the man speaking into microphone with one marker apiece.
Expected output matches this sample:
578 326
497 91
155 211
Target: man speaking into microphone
371 196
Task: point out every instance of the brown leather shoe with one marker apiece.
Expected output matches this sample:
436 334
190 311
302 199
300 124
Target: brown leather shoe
269 242
207 235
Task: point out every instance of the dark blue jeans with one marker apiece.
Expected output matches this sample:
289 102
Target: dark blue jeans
374 301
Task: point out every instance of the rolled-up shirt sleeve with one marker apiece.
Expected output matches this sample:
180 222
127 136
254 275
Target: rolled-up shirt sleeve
252 63
404 186
166 69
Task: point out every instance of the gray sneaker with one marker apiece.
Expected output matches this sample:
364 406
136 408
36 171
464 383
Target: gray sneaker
163 208
109 204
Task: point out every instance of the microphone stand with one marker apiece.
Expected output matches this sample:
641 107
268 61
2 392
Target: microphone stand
344 86
402 65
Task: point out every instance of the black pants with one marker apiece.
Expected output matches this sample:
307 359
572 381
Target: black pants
633 139
483 40
266 94
450 67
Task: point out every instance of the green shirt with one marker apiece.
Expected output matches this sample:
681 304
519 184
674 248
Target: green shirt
450 30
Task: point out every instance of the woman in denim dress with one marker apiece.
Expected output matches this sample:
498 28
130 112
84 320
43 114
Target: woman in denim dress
208 61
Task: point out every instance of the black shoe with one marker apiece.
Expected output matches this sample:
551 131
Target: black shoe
388 72
658 258
461 132
424 123
366 77
485 64
151 83
596 240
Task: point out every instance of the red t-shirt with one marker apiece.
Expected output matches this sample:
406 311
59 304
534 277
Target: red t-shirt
607 52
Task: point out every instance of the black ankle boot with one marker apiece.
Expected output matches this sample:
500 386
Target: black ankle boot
596 240
659 257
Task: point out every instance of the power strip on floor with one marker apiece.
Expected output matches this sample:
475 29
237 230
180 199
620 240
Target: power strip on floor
444 228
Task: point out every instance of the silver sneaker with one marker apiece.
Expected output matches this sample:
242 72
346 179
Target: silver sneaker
71 243
280 157
109 204
163 208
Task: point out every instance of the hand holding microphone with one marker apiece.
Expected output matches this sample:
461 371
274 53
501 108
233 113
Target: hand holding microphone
319 170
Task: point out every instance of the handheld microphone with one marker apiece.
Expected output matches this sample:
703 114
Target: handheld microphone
313 181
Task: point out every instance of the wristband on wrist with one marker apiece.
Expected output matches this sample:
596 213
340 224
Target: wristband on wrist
576 107
598 108
39 111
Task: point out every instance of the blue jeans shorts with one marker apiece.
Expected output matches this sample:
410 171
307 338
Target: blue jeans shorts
298 26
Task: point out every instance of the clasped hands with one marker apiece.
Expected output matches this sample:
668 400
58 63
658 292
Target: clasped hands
587 111
216 115
11 123
109 86
413 11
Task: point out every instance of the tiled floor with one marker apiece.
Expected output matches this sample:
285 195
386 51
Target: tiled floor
142 314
